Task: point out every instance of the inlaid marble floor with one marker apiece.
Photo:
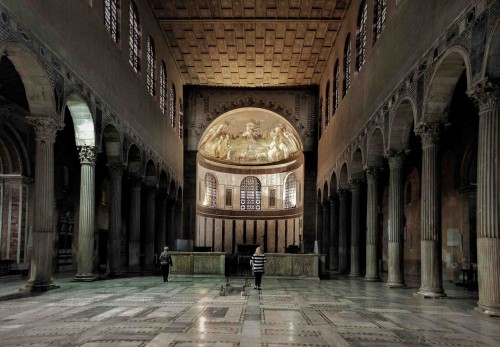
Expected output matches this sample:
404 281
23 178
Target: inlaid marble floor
185 312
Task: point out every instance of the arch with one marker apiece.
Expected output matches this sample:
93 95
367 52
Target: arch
319 196
14 142
82 121
163 182
10 159
134 160
172 190
401 124
250 193
150 169
357 164
325 191
492 62
444 79
36 81
333 184
375 148
179 193
112 142
344 177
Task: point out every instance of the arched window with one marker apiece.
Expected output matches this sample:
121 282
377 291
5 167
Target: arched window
327 104
151 68
163 88
250 194
320 120
134 38
361 36
181 118
380 14
290 191
172 105
347 64
336 81
112 18
210 190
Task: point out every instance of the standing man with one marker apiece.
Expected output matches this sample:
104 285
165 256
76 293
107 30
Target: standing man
165 263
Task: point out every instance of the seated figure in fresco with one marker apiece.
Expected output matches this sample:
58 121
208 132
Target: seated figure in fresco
249 132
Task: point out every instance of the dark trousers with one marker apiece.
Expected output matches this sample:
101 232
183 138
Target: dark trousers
258 278
164 270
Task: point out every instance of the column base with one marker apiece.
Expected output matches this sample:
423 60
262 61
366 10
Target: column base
41 287
431 294
355 275
85 278
372 279
488 310
395 285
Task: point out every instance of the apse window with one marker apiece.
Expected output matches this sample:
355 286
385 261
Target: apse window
250 194
210 191
290 191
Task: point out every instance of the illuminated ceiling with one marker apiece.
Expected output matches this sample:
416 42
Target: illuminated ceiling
250 136
250 43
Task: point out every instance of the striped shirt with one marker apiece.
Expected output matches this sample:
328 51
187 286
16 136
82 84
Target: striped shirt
258 261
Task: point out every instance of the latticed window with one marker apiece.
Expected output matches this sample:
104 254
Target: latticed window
347 64
163 88
172 105
134 38
151 69
250 194
361 36
112 18
210 190
327 105
290 191
336 82
320 120
181 118
379 18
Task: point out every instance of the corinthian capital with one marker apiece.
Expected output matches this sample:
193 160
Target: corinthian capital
116 170
87 154
45 128
373 173
485 94
396 157
429 133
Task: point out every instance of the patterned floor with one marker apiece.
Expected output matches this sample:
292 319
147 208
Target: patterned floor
190 312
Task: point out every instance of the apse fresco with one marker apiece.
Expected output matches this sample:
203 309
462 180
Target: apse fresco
250 138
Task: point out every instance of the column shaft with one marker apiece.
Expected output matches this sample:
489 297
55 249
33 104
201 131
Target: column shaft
343 231
395 276
134 250
487 98
355 226
161 237
43 224
150 228
319 227
372 224
430 257
115 219
334 235
86 222
325 245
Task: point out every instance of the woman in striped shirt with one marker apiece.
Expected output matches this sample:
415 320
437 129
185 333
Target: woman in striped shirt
257 263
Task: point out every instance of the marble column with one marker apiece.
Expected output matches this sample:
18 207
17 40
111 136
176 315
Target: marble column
355 188
134 248
326 230
395 277
161 236
334 235
486 96
115 219
319 227
372 224
343 230
430 254
86 222
43 223
149 252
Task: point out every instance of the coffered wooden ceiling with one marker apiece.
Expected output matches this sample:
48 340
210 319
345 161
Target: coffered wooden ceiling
250 43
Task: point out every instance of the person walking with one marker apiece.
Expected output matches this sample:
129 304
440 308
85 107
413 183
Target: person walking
165 263
257 263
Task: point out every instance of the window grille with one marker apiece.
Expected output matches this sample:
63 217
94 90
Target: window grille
361 35
163 88
172 105
379 18
111 18
290 191
250 194
210 190
327 104
181 118
336 79
320 120
134 38
347 64
151 68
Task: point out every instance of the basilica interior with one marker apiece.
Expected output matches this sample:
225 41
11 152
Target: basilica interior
357 142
